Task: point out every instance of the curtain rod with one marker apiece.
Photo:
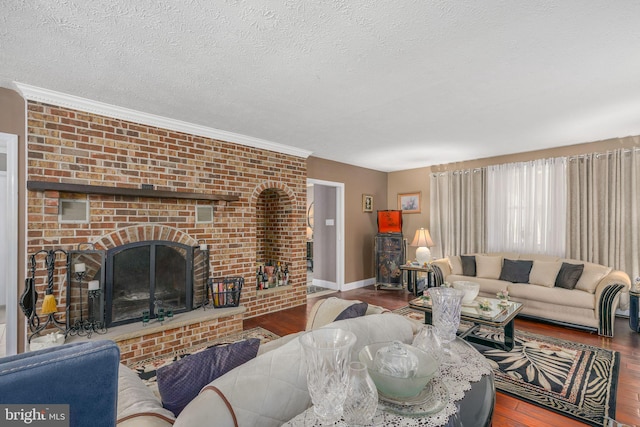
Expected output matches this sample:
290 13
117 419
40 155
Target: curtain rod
457 172
603 154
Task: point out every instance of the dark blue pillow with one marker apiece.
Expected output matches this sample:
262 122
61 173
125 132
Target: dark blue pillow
468 265
180 382
354 310
569 275
516 271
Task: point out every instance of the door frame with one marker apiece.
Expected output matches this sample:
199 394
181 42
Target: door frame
339 186
9 144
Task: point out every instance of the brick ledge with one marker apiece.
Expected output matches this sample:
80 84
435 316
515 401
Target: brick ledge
135 330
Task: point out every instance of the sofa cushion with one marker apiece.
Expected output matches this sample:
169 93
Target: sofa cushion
488 267
511 255
456 264
569 275
557 297
325 311
182 380
540 257
591 276
137 401
544 273
468 265
488 287
354 310
516 271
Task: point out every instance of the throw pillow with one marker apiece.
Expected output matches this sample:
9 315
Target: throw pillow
544 273
354 310
468 265
456 265
488 267
591 276
569 275
516 271
180 382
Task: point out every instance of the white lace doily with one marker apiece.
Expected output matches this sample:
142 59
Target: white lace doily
457 379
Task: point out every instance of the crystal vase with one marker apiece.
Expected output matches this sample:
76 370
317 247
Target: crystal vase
447 303
327 354
428 340
362 396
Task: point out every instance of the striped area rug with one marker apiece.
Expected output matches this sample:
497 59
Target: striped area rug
573 379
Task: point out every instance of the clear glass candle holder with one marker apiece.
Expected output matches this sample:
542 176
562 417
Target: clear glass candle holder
145 318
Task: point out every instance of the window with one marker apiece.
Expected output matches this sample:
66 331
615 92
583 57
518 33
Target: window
526 207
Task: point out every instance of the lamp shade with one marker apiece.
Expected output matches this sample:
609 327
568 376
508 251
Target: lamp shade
422 238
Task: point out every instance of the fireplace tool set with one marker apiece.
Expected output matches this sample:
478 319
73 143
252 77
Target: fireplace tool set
49 308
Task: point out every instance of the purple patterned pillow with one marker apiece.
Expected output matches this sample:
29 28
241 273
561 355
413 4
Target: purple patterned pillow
180 382
354 310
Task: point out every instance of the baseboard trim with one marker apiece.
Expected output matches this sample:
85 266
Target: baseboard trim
359 284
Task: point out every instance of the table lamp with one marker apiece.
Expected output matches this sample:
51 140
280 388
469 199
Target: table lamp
423 240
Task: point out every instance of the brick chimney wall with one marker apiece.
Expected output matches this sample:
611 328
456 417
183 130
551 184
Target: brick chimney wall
77 147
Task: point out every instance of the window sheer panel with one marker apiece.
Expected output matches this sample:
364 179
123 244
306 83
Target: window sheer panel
526 207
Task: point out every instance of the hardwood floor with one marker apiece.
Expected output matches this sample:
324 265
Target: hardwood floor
509 411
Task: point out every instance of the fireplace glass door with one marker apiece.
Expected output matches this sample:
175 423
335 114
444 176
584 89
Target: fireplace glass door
148 276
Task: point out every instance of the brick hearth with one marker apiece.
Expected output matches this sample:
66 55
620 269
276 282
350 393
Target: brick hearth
185 330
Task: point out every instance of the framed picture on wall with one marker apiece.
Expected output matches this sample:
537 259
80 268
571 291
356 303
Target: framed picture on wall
409 202
367 203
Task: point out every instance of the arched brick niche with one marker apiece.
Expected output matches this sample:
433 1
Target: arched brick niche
276 226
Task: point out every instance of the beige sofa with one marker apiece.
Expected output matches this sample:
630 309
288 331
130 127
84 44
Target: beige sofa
267 390
591 304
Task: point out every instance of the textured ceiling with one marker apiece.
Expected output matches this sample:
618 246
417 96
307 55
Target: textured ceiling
387 85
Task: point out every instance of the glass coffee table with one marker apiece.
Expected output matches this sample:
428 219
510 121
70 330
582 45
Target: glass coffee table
499 316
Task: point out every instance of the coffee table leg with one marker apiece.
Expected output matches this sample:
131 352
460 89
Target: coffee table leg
507 345
427 318
509 333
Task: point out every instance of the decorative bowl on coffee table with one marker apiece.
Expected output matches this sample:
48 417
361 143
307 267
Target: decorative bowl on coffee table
471 290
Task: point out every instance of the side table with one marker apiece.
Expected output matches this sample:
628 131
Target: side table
634 307
412 278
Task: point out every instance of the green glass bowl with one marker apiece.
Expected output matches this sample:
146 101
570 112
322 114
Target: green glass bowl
400 388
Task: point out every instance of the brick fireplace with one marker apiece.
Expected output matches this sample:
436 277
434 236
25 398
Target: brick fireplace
144 183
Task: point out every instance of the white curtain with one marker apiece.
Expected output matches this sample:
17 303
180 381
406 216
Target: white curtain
603 215
526 207
458 212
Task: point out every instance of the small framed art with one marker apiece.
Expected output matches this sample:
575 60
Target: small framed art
409 202
367 203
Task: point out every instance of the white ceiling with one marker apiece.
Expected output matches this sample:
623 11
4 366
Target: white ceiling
388 85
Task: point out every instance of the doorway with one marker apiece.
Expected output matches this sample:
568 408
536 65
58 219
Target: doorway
9 246
325 236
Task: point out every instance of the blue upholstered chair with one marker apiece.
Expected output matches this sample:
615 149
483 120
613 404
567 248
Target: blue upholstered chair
82 375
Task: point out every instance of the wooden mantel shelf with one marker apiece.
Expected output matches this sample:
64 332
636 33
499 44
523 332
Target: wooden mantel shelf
126 191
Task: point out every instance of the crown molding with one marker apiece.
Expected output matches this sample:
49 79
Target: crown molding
33 93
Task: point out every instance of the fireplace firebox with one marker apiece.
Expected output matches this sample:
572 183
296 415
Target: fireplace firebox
147 275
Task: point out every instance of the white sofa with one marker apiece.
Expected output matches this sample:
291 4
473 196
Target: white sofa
591 304
267 390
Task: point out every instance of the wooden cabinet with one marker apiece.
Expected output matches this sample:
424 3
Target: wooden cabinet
390 254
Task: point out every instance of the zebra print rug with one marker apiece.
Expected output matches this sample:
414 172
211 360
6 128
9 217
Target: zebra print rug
576 380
